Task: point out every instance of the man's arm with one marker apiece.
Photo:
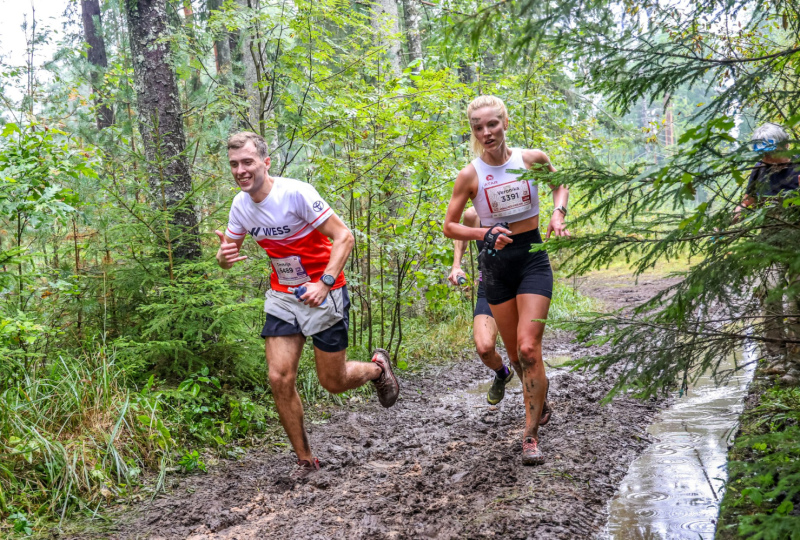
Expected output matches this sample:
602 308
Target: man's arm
228 252
343 242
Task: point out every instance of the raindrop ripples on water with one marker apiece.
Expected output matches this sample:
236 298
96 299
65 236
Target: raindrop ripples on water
673 489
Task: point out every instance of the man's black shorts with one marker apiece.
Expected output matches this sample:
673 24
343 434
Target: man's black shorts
332 340
516 270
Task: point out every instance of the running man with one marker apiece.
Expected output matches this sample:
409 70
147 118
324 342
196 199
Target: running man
484 328
295 226
518 281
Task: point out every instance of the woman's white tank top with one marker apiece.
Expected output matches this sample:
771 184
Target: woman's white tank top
501 197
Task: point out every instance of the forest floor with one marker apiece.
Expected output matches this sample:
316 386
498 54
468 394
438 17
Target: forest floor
441 463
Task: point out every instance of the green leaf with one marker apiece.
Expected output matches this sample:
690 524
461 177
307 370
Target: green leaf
754 494
785 507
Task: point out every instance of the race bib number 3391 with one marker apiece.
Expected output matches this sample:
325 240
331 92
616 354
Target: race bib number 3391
509 198
290 271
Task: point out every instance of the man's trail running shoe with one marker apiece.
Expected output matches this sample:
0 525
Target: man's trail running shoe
531 455
498 389
547 411
387 386
304 468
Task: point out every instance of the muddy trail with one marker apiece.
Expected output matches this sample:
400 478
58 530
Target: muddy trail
442 463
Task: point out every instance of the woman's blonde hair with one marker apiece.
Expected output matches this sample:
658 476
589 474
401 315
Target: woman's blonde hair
479 103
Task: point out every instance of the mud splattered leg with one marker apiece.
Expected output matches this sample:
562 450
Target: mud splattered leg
283 357
529 344
484 328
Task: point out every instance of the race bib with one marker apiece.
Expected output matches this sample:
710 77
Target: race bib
509 198
290 271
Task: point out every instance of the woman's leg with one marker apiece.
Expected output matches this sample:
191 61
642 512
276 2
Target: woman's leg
529 351
506 317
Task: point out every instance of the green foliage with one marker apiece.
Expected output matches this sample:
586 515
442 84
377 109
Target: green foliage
191 461
196 320
72 434
764 471
203 414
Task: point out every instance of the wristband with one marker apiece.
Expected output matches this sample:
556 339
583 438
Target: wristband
490 238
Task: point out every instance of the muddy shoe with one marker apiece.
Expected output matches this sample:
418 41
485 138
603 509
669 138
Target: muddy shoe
387 386
498 389
304 469
531 455
547 411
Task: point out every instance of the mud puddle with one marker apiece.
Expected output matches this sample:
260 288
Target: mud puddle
674 488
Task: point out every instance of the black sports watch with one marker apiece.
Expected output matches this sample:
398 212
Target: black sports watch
328 280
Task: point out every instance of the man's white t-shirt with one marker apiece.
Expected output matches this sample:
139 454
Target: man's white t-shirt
284 224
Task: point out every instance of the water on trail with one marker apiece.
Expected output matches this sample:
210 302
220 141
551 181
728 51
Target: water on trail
674 488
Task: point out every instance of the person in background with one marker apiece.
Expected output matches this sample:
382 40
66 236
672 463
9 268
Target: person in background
775 175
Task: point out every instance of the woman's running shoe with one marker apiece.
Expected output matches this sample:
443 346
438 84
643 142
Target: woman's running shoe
387 386
498 389
531 455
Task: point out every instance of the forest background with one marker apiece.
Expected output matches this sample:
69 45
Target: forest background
125 350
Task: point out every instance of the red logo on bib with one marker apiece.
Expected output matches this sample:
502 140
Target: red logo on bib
489 177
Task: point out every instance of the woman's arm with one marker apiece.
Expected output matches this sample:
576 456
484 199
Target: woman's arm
464 189
560 193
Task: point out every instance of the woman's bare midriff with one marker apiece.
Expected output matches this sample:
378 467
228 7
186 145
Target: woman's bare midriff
525 225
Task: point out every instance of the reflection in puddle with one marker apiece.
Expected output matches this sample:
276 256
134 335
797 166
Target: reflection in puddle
483 388
673 489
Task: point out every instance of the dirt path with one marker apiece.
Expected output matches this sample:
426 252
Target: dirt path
440 464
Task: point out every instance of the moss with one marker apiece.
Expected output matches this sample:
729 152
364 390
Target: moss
762 499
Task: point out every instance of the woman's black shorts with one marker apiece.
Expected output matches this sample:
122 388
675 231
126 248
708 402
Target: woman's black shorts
516 270
481 305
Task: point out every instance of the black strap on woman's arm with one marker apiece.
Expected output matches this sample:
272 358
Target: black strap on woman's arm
491 237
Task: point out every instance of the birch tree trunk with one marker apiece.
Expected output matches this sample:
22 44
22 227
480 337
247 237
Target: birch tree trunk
413 37
161 125
385 24
93 34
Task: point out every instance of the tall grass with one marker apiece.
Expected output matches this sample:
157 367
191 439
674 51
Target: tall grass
71 435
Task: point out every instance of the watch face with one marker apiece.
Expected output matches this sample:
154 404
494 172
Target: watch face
328 280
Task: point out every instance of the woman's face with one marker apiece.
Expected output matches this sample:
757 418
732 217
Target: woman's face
489 127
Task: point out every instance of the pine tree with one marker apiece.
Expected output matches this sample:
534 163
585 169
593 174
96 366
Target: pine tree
745 54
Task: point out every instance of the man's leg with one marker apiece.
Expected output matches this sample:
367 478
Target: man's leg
485 331
337 375
283 357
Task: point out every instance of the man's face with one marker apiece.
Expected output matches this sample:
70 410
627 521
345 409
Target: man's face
248 169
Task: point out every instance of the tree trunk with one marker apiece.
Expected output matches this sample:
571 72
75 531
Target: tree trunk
96 54
161 125
222 47
387 32
413 37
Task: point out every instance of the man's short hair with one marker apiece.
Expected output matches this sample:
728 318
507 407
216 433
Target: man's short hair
770 135
239 140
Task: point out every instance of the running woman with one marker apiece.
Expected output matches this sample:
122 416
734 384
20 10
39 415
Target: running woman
484 328
518 282
308 293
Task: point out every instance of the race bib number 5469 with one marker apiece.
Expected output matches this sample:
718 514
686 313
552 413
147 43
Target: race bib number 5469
290 271
509 198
